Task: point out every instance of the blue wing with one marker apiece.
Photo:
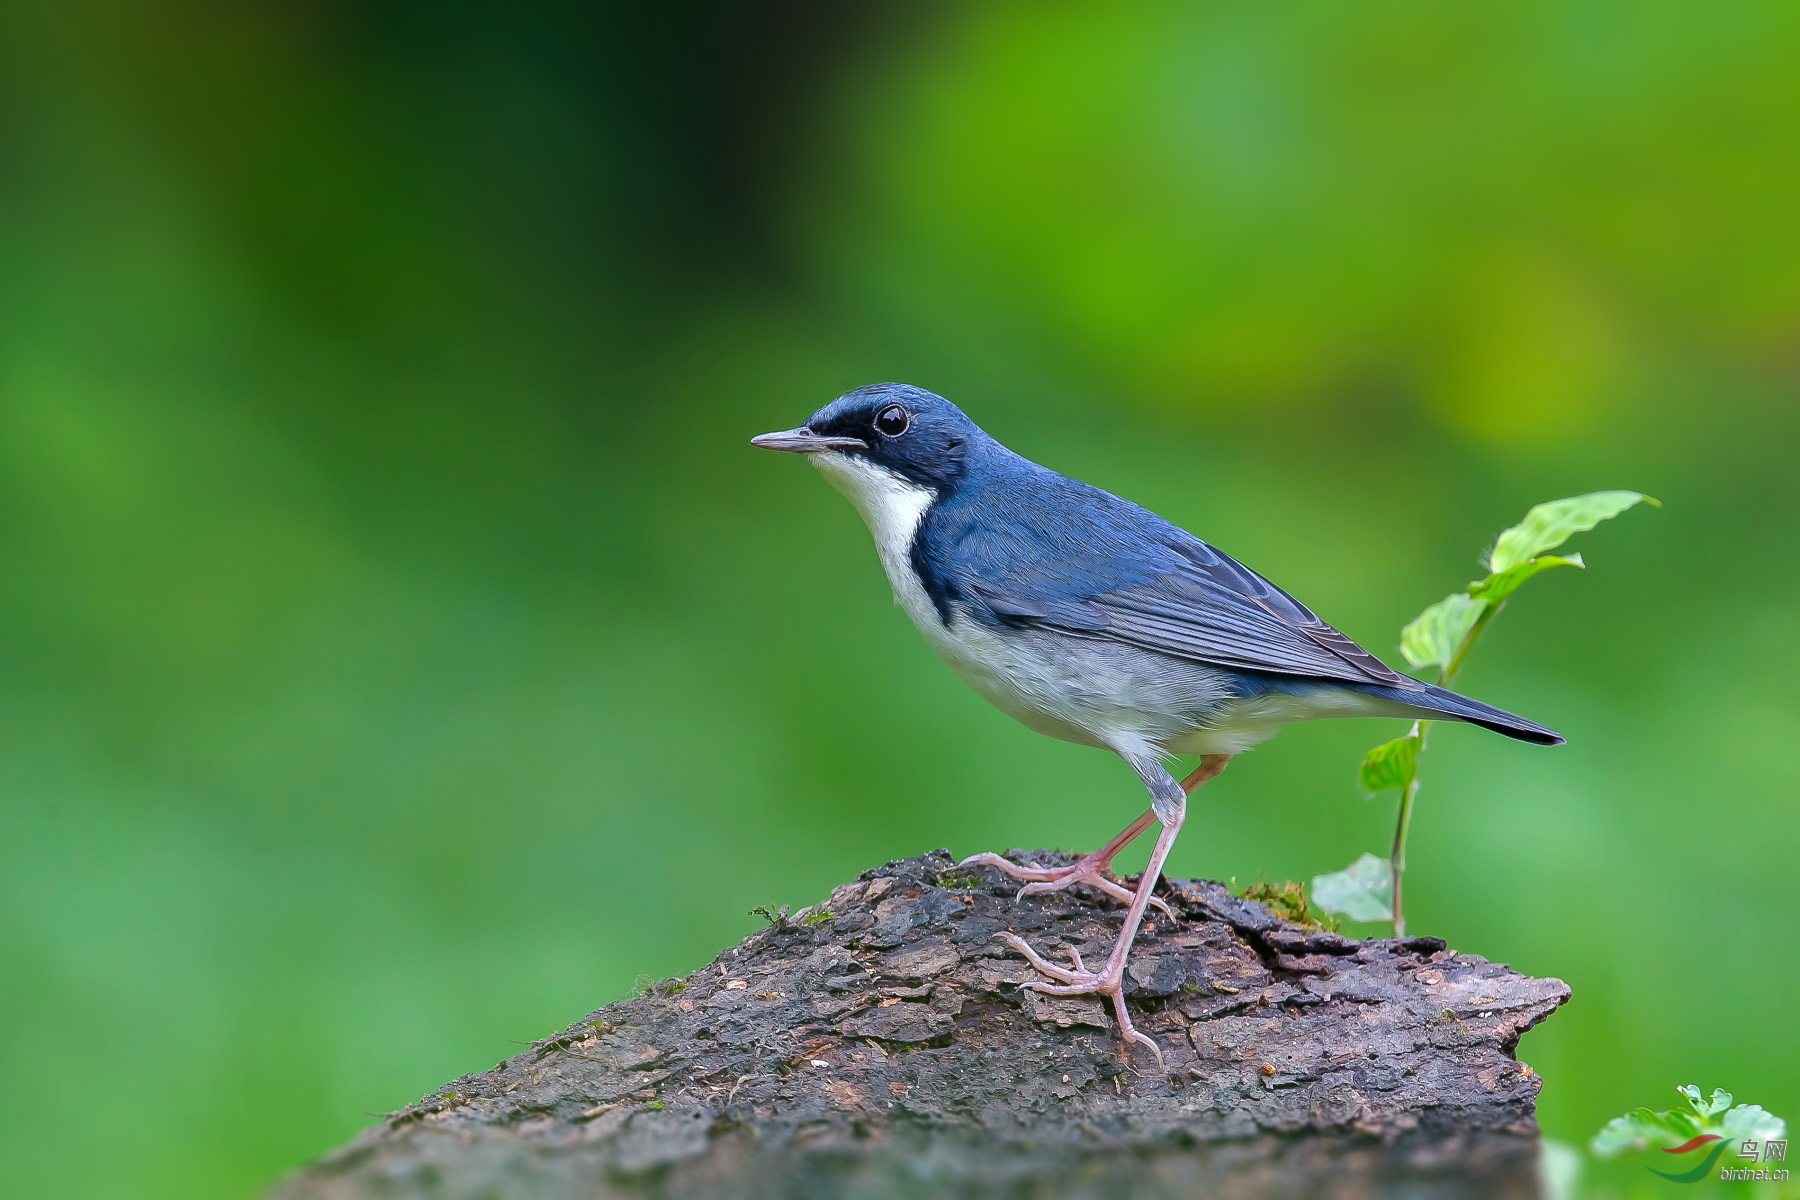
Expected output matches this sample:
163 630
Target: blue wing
1105 568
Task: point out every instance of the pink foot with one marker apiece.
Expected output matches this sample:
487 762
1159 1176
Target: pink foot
1083 982
1090 869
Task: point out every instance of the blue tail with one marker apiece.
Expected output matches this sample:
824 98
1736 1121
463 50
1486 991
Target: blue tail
1457 707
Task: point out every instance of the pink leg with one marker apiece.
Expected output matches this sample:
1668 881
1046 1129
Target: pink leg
1110 980
1092 869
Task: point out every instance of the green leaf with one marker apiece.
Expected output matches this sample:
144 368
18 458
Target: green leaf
1496 588
1391 764
1752 1121
1362 891
1432 638
1551 524
1642 1130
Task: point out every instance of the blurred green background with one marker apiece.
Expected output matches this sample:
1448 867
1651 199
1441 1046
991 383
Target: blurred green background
401 650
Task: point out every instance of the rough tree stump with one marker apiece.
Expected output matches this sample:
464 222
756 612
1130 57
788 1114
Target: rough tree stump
879 1045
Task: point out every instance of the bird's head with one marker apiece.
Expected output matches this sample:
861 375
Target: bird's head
904 431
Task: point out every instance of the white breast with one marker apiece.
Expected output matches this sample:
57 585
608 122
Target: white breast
892 506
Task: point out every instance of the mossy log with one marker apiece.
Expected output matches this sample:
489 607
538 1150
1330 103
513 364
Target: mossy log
879 1044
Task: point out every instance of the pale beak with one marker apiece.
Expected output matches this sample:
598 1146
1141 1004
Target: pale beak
805 441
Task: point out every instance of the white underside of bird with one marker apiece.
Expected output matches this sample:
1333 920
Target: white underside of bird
1136 702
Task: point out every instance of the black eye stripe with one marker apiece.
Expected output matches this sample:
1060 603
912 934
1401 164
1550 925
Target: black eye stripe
892 420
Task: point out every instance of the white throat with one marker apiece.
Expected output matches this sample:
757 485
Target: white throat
892 506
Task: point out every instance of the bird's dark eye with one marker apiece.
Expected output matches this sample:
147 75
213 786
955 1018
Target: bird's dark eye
892 420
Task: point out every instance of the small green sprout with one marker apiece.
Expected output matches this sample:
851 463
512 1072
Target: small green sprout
1712 1124
1369 888
816 917
774 916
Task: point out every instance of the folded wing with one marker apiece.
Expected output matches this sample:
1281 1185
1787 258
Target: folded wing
1215 610
1170 592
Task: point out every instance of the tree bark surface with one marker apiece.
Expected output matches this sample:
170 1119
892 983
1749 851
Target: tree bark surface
879 1044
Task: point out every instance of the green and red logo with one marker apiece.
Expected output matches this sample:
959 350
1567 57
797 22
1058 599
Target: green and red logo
1705 1165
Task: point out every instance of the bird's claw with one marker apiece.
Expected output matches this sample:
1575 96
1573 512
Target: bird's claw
1083 982
1131 1033
1094 880
1078 975
1032 871
1086 869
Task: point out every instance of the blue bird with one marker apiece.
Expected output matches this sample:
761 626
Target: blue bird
1094 621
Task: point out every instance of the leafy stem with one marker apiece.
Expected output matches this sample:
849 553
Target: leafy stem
1397 857
1420 732
1369 889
